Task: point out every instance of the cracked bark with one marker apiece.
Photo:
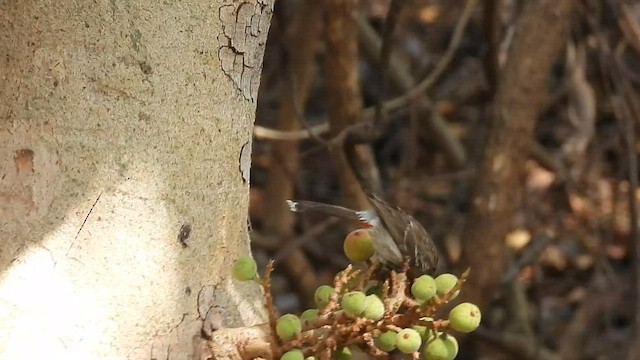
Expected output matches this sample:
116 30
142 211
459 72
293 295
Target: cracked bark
97 104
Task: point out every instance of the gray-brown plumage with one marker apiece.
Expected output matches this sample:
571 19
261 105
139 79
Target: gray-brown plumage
409 235
396 235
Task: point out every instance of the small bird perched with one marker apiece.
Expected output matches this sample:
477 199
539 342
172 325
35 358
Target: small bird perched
396 236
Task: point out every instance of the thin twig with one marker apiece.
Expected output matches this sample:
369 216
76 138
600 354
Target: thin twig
444 61
299 113
265 133
271 309
369 113
311 234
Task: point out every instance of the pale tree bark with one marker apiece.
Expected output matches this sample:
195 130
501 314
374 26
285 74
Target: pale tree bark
122 126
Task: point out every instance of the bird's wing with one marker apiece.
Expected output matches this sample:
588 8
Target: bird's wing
410 236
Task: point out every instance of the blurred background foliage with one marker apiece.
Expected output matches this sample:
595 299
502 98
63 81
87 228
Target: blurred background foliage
506 127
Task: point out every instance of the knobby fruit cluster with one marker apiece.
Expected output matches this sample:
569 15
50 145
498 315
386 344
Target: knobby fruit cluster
364 312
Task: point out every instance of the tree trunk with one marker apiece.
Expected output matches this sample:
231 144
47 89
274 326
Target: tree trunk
345 103
521 94
125 143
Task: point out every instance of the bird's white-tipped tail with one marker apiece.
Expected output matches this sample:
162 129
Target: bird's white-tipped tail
293 205
333 210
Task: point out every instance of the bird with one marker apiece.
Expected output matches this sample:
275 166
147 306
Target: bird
397 236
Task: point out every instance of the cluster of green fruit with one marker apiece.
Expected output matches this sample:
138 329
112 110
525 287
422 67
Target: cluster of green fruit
436 345
426 293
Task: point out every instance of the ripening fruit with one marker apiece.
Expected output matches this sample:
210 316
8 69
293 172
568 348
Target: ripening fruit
446 282
452 345
422 330
436 349
443 347
387 341
423 288
349 352
308 316
294 354
408 341
288 327
343 353
465 317
354 302
322 295
245 269
358 245
373 308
